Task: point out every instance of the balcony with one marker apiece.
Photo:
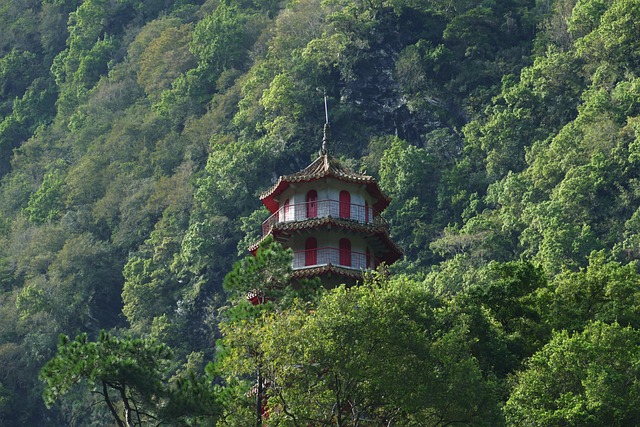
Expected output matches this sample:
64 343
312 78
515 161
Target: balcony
332 256
323 209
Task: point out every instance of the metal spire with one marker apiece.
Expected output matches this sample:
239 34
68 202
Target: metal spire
327 129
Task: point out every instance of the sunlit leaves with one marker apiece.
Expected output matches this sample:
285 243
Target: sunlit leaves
586 379
47 203
380 351
409 175
604 291
164 59
217 39
614 27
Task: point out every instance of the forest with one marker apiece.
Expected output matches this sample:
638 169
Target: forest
137 135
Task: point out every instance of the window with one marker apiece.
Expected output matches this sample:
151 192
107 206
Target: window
368 258
311 251
345 204
312 204
366 212
345 252
285 211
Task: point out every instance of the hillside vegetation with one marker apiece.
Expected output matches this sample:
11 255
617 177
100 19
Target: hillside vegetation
136 136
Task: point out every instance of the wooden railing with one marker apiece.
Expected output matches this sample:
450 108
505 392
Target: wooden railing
323 209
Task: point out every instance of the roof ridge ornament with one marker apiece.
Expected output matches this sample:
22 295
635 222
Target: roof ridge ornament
327 130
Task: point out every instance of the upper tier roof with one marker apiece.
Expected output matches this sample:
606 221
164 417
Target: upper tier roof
325 166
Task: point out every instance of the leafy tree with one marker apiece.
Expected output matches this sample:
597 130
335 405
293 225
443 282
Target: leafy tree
130 374
586 378
16 71
606 24
148 291
408 174
164 59
47 203
509 291
33 109
217 39
604 291
269 271
361 355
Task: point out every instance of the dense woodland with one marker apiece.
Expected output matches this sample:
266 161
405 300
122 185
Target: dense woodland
136 135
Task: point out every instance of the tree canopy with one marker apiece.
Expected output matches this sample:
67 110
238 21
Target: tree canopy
136 136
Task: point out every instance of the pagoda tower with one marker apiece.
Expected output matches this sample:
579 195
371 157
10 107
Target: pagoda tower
330 217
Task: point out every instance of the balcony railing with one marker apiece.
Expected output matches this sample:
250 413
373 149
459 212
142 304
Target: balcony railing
333 256
323 209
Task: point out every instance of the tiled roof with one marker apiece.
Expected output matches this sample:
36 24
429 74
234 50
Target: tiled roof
381 231
327 166
323 166
326 269
329 220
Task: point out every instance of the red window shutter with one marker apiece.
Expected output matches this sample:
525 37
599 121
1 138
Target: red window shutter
311 251
312 204
366 212
345 204
345 252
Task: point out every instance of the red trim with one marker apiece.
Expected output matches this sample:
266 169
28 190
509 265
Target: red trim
327 269
324 167
282 231
345 252
381 200
345 204
311 253
270 202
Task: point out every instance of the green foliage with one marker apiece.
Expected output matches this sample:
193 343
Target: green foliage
510 295
410 176
614 26
368 352
217 39
136 136
94 63
164 58
580 379
156 293
123 363
28 112
16 70
145 286
605 291
128 372
229 186
269 270
47 204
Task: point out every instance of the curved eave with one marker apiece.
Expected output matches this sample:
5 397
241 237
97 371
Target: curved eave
325 167
326 221
269 198
322 270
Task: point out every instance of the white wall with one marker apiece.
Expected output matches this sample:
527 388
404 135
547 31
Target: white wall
328 249
328 190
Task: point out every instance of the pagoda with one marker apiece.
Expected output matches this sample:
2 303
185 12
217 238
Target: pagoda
330 217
